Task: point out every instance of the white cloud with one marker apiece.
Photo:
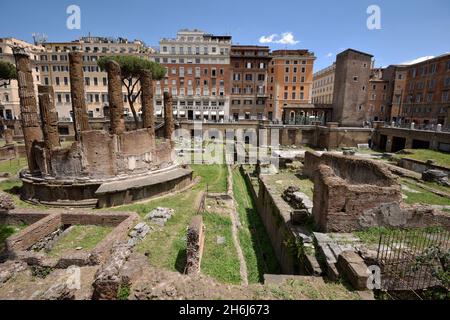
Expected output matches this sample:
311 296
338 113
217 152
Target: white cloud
418 60
329 55
285 38
268 39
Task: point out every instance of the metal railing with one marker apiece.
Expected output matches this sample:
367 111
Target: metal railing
414 260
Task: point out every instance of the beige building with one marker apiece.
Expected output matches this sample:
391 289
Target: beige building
323 85
53 65
9 94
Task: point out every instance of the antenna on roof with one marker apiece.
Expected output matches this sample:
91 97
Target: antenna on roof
39 38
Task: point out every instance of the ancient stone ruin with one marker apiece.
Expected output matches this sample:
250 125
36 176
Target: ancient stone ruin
352 194
100 169
195 243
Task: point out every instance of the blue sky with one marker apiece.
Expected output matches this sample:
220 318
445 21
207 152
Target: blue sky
409 29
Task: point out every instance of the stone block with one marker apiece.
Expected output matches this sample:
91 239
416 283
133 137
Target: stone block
352 267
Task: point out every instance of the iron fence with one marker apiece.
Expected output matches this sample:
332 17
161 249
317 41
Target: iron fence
414 259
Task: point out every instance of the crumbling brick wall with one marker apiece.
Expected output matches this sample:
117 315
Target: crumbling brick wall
195 242
354 194
346 187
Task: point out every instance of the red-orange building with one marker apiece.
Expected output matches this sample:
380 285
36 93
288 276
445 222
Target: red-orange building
426 100
290 83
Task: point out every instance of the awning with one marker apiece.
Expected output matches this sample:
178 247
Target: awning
221 113
158 113
205 113
197 113
175 112
213 113
182 113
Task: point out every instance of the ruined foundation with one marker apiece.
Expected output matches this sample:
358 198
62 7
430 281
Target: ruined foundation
195 242
353 194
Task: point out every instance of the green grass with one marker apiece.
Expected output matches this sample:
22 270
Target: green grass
13 166
12 187
220 261
440 158
255 243
424 196
6 231
167 246
215 176
86 237
372 235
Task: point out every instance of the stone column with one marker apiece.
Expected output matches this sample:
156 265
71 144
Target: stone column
49 116
28 106
9 137
116 110
148 112
81 119
168 116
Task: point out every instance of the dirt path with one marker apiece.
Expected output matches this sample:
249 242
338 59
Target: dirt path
235 225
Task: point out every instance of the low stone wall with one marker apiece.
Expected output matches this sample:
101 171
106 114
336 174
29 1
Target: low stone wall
134 189
18 245
195 244
311 163
420 166
33 233
276 216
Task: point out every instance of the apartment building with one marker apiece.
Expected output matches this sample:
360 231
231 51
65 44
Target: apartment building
323 85
426 100
290 81
9 94
198 75
53 65
248 82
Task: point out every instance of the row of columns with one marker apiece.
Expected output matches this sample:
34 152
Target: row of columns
31 128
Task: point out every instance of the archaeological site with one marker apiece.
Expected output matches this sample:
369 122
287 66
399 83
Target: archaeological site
207 170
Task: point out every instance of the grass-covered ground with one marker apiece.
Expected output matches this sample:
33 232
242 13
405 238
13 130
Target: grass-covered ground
220 260
166 246
440 158
422 196
213 176
13 166
6 231
255 243
86 237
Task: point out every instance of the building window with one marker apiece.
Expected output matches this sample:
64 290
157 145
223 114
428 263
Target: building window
355 78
